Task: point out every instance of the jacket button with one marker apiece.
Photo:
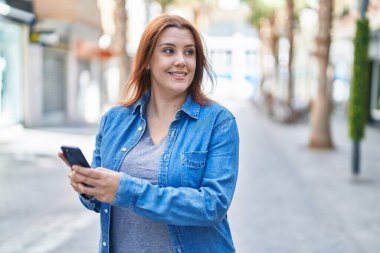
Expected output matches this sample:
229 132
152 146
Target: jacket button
106 210
140 128
104 244
123 149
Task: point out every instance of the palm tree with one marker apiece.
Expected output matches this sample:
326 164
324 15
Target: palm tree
290 26
263 17
120 45
164 4
198 7
321 106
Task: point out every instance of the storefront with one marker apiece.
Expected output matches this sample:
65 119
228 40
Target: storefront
65 73
13 43
12 74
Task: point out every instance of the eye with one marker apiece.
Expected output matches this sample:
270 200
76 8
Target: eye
168 50
189 52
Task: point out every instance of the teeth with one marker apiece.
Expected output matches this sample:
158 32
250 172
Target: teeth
178 74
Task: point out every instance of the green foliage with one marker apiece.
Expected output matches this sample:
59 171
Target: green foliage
267 9
165 3
357 114
263 9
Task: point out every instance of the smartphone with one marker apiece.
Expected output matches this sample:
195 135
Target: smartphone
75 156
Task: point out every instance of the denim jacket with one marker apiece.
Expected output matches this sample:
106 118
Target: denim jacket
196 179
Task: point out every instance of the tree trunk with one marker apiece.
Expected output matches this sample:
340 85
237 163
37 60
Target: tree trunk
196 14
274 46
273 40
263 38
121 21
290 60
321 106
320 122
164 7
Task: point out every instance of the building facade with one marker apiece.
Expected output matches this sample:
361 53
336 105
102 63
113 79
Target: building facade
64 68
15 22
51 71
374 97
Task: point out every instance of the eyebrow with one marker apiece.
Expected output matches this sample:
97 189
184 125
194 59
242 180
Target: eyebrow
173 45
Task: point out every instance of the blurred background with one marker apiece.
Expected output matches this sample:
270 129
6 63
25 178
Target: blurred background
300 76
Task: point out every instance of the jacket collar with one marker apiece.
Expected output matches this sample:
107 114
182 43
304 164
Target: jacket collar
141 103
190 107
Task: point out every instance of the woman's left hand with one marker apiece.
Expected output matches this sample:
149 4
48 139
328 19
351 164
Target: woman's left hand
99 182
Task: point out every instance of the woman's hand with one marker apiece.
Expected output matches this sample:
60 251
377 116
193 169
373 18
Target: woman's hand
100 183
73 183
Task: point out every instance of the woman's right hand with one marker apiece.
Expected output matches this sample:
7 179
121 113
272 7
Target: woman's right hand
74 181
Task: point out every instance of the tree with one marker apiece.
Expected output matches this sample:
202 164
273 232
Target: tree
263 17
164 4
321 106
120 45
198 7
290 26
357 114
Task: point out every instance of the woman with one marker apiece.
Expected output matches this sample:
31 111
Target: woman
166 161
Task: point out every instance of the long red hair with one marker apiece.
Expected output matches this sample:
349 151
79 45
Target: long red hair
139 81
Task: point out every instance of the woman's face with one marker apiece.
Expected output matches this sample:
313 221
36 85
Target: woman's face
173 62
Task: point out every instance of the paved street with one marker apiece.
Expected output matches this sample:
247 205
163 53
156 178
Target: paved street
288 198
291 199
38 210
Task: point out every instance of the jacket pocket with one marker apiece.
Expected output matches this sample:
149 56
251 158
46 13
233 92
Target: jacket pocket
193 165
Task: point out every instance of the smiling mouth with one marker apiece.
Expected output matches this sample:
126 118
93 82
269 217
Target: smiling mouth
177 74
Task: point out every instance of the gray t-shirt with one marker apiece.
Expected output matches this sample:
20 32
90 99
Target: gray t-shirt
130 232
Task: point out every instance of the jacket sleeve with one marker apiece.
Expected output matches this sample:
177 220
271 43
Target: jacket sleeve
92 203
185 206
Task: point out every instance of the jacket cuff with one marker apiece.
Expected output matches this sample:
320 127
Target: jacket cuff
88 202
127 191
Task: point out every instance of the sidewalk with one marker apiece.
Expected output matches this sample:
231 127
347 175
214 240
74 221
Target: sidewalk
39 212
292 199
46 141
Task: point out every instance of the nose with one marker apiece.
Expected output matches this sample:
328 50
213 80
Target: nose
180 60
